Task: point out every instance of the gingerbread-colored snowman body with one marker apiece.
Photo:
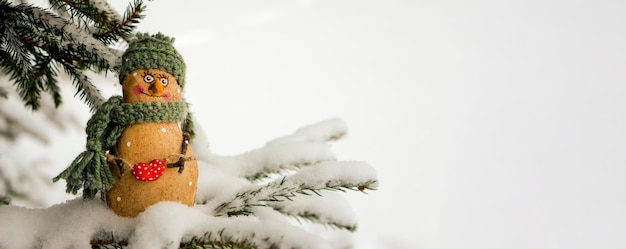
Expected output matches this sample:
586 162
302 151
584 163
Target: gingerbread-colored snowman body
144 142
136 154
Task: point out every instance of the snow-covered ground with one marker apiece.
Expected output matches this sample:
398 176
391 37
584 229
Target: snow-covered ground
492 124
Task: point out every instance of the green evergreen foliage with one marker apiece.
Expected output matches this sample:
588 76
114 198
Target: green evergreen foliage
77 36
72 35
4 200
284 189
206 241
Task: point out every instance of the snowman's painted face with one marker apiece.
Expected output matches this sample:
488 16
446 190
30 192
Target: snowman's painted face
150 85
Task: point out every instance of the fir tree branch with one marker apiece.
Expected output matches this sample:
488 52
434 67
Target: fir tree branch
32 39
325 176
217 240
84 88
3 92
45 76
15 61
124 27
208 240
195 243
76 40
4 200
104 7
271 159
85 12
315 218
330 210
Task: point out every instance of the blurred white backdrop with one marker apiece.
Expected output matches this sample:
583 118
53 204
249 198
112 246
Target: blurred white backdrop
493 124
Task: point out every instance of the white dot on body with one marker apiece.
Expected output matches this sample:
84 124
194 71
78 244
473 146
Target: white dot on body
163 130
190 183
127 144
118 198
135 74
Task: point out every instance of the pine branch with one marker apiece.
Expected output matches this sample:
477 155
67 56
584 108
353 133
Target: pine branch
316 218
306 146
3 92
45 76
272 159
85 12
325 176
4 200
84 88
330 210
104 7
16 62
123 28
93 52
33 40
217 240
205 242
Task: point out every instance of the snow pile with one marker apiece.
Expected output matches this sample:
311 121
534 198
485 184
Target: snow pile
76 223
247 200
67 225
275 157
168 224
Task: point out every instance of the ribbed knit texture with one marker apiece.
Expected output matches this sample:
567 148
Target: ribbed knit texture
90 170
153 52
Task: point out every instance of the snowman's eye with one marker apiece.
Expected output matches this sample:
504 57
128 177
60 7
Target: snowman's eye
164 82
148 78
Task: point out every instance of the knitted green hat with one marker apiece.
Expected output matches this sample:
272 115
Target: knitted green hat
153 51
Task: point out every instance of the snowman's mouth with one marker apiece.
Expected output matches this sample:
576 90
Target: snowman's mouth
166 95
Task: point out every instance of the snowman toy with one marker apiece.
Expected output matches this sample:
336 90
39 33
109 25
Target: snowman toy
137 155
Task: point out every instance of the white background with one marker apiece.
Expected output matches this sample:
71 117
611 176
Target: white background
492 124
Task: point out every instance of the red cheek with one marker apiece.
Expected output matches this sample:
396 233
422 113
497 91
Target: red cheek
167 96
138 90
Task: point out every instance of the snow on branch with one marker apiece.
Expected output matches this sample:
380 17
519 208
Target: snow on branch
76 35
270 159
328 130
90 224
123 26
330 210
105 8
324 176
306 146
169 223
234 209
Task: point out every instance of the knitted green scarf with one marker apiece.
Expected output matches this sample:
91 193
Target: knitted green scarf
90 170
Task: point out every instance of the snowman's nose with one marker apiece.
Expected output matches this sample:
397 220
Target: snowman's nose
156 88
